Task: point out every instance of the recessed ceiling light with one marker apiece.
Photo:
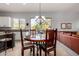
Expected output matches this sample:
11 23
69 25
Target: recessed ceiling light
24 3
7 3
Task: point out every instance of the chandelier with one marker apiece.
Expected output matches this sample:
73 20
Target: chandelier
40 19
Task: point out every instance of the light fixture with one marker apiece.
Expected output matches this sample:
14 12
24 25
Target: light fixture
40 19
7 3
24 3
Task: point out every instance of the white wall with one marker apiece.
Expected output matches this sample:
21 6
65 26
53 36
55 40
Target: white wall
57 19
57 24
66 18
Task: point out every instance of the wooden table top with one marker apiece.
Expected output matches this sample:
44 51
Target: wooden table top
37 39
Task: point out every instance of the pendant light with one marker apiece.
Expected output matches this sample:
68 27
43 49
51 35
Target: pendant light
40 19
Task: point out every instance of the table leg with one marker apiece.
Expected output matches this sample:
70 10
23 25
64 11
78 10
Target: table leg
45 49
40 51
37 49
33 51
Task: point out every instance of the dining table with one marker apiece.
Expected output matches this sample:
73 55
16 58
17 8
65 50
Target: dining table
38 40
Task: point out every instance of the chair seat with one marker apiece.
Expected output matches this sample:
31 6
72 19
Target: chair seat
49 49
28 45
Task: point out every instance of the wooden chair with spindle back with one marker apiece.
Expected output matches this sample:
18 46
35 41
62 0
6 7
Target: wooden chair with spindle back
25 45
51 36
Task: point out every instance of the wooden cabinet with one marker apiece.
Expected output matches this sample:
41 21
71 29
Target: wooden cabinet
70 41
75 44
7 41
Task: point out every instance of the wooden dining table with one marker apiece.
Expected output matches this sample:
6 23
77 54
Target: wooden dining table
38 40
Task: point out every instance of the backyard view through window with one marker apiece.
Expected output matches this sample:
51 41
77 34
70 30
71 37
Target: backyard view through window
43 26
19 23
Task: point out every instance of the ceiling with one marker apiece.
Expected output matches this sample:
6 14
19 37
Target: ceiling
34 7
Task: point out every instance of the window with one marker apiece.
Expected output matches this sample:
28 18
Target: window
22 23
44 25
18 23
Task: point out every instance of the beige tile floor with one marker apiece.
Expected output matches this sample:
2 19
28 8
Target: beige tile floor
62 50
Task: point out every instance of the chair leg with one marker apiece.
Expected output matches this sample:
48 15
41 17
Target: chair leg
46 50
33 51
22 52
48 53
30 50
55 52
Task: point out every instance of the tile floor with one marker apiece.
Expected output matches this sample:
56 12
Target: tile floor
62 50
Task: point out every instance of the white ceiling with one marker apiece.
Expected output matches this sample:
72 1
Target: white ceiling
34 7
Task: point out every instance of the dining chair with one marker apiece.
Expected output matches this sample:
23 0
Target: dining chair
26 45
51 36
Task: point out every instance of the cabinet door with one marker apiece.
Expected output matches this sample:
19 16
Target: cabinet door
67 41
75 44
1 45
62 39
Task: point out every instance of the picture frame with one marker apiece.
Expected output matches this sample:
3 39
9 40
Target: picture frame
66 25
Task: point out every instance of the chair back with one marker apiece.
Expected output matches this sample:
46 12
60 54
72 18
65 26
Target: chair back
21 35
55 41
51 36
33 33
